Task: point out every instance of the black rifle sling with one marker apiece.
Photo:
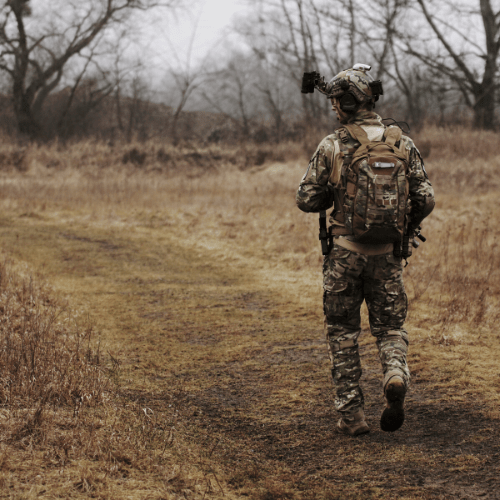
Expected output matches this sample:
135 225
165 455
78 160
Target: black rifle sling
323 234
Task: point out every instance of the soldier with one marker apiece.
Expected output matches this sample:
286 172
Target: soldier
358 267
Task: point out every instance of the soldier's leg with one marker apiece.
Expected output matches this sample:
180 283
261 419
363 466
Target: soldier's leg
387 306
343 296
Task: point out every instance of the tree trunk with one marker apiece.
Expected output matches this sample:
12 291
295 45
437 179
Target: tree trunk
26 122
484 108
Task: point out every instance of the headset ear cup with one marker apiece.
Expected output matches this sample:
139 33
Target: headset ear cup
348 103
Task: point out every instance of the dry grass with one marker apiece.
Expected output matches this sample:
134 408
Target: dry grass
152 156
462 160
219 202
238 209
60 407
47 354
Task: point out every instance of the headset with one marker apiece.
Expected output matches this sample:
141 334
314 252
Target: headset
348 103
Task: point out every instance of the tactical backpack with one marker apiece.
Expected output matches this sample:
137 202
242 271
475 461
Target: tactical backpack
372 201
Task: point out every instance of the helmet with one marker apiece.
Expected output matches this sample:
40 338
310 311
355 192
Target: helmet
353 87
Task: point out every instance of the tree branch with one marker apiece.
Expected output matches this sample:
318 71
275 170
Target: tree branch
458 61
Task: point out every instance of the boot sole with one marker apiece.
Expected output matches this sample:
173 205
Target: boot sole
394 415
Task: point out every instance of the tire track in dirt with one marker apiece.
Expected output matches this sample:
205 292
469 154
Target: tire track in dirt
249 371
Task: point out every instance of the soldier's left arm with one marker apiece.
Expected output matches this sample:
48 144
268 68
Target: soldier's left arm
421 190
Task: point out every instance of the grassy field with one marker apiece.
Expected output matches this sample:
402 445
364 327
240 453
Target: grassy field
162 333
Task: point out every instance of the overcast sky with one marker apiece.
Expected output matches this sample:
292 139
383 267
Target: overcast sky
208 24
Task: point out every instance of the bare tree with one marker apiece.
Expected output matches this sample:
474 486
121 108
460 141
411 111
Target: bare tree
328 24
468 55
290 36
185 79
35 54
86 93
231 92
376 31
275 105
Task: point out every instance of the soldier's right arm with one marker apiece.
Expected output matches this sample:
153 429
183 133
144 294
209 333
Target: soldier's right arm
315 193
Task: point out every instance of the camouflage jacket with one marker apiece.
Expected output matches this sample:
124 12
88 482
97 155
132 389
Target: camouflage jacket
323 175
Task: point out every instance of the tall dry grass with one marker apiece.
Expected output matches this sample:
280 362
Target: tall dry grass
47 352
231 199
461 159
238 205
59 404
50 365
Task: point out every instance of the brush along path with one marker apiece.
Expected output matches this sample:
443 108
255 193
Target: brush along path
230 342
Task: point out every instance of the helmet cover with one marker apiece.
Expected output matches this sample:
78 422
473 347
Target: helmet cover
355 80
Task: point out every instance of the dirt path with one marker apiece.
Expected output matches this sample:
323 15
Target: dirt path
248 369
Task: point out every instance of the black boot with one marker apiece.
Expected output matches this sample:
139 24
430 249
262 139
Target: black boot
393 415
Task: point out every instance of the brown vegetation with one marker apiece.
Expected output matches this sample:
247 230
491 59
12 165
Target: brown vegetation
209 377
46 356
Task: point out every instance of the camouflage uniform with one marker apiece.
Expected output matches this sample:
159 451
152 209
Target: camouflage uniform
354 272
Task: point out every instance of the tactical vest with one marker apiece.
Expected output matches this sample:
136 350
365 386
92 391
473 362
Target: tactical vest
372 200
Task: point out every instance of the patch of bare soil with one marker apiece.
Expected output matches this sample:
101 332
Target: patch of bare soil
268 417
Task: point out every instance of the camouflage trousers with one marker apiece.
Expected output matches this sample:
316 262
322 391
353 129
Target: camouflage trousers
348 279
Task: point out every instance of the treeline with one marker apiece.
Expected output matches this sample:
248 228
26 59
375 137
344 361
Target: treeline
69 76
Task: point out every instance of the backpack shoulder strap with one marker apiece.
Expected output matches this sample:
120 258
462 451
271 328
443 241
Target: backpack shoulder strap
348 144
357 133
392 135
